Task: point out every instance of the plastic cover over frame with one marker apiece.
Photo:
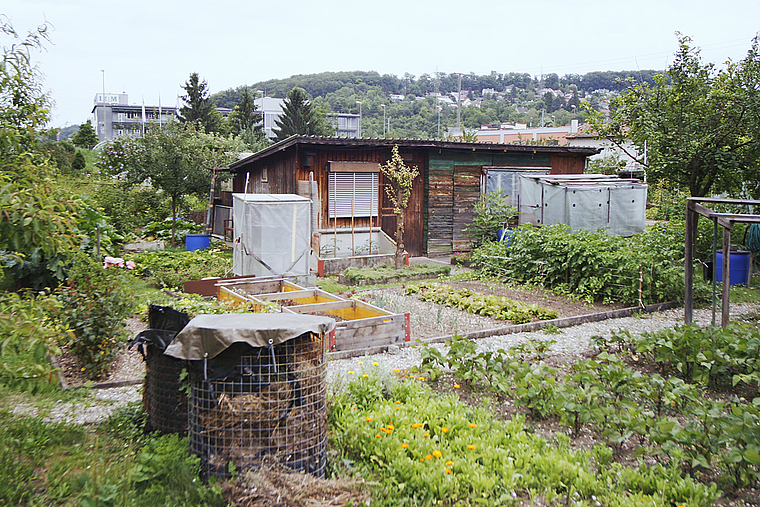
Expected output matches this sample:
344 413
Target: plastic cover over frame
272 234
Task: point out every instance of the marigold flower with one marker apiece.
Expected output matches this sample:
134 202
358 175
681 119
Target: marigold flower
448 470
368 419
449 463
472 425
416 425
437 453
457 386
391 427
377 436
404 446
398 402
422 378
354 408
422 459
471 447
426 434
444 429
428 457
396 370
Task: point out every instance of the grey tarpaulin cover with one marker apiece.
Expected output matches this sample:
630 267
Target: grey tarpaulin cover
213 334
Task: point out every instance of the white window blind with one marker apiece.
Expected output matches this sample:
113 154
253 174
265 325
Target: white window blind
348 186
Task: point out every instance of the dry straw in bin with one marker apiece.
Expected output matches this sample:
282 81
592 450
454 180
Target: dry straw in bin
255 406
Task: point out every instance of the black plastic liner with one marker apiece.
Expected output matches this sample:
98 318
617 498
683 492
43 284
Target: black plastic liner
164 400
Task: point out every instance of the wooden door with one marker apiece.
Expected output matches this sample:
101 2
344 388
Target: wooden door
466 194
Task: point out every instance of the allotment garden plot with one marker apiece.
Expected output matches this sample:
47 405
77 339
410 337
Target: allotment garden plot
433 318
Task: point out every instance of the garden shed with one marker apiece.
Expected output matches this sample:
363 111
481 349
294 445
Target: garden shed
272 235
587 201
452 176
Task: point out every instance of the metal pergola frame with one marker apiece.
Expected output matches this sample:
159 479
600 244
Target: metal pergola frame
726 220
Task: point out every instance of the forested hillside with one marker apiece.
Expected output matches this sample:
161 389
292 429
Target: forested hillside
412 103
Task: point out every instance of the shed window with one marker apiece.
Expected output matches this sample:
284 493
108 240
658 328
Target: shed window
359 187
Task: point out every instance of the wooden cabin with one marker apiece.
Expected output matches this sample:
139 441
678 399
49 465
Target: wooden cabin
452 176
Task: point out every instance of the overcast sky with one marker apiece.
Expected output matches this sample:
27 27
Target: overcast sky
148 49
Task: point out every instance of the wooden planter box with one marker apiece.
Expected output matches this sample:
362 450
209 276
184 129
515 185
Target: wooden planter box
359 326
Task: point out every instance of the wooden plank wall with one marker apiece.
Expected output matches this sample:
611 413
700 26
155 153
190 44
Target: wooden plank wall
466 194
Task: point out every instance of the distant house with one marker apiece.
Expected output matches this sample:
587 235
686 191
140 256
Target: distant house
586 137
350 185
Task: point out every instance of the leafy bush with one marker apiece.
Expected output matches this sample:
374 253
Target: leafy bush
491 214
130 208
171 268
28 333
94 307
593 265
163 230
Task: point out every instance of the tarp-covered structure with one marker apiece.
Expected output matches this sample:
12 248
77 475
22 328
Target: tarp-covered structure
588 201
272 235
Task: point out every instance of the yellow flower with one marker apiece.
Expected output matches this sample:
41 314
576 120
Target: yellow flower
448 470
404 446
368 419
437 453
375 364
377 436
449 463
361 362
426 434
422 459
472 425
391 427
445 429
354 408
416 425
471 447
398 408
365 375
396 370
428 457
398 403
350 372
457 386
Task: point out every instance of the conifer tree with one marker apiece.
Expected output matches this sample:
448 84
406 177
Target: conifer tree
299 117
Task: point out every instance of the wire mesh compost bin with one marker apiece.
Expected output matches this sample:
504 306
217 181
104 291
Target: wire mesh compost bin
164 401
257 390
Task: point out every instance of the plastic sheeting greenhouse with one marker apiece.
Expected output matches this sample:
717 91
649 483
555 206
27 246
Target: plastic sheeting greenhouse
272 235
584 201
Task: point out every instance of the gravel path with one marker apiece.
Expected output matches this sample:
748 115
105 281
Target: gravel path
569 341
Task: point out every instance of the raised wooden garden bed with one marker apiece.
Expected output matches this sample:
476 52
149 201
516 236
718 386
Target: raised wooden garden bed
360 325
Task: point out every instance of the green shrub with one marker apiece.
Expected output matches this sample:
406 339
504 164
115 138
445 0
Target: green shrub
171 268
491 214
94 307
593 265
28 333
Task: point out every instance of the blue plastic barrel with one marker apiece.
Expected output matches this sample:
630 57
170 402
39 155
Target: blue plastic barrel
505 235
197 242
738 270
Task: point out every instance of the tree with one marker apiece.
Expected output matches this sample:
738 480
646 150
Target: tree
698 123
85 137
198 107
244 116
36 220
401 178
299 117
79 163
177 159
